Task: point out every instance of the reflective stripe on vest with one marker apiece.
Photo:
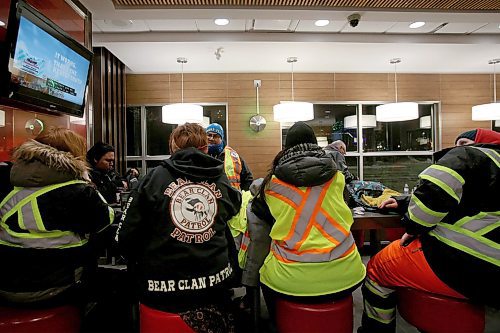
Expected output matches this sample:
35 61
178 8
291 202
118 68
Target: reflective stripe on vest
447 179
468 242
422 214
232 166
309 213
23 201
492 154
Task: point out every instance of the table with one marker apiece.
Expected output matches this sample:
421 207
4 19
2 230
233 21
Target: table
376 223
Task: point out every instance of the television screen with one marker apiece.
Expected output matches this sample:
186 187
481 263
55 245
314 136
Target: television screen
48 68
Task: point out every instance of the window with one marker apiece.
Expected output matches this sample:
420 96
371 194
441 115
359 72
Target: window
391 153
148 136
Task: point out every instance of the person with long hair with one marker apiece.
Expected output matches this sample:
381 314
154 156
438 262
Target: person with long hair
47 220
313 257
175 231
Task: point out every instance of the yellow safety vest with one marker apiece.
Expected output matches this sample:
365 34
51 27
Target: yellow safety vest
24 202
232 166
467 233
313 252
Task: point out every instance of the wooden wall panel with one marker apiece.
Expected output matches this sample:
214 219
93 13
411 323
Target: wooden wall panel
457 94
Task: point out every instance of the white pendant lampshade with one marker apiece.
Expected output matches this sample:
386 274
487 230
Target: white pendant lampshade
181 113
396 111
292 111
490 111
322 141
425 122
351 122
2 118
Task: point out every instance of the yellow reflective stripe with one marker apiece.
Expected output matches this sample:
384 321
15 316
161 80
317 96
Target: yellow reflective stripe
80 243
492 154
37 216
415 218
438 233
442 185
49 234
9 244
20 220
450 171
10 195
381 315
377 289
466 219
489 228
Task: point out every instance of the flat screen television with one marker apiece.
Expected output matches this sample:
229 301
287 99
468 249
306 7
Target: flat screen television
47 68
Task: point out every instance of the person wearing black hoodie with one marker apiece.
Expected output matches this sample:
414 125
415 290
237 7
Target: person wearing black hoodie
175 229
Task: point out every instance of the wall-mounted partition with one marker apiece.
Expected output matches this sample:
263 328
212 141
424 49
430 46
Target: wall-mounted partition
456 93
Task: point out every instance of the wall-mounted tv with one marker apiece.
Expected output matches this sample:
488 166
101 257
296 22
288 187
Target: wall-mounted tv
48 69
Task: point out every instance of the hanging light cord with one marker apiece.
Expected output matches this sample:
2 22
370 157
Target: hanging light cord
396 80
494 82
293 96
182 82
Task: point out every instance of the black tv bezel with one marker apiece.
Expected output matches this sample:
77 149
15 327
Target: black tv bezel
32 96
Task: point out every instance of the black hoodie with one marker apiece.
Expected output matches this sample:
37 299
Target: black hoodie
175 229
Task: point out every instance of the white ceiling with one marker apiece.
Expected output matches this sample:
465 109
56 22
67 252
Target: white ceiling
260 40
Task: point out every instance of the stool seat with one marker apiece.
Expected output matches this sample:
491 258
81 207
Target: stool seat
334 316
156 321
434 313
62 319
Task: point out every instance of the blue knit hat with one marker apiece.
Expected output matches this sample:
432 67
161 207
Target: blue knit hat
468 135
216 128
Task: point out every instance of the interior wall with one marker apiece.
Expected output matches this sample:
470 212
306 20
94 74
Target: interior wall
456 92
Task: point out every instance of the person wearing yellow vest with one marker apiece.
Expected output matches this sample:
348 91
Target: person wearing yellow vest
313 256
452 242
237 171
46 222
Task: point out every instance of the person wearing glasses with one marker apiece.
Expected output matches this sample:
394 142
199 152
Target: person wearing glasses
237 171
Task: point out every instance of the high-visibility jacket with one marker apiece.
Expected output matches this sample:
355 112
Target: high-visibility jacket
312 251
232 166
24 203
465 234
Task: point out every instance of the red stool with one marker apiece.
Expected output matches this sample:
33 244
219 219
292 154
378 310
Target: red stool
62 319
156 321
324 317
439 314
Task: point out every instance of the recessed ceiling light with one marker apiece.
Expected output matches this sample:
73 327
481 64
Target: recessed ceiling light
416 25
119 23
321 23
221 21
2 23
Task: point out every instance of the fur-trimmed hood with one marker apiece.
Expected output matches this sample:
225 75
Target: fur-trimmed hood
37 164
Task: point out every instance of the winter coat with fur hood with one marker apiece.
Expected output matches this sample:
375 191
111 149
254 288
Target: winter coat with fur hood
34 272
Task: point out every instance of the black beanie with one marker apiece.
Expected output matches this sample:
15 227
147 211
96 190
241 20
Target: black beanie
468 135
97 151
300 132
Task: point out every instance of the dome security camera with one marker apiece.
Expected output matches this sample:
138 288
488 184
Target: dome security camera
353 19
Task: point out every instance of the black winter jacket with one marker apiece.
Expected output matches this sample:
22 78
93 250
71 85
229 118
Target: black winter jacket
29 274
175 229
474 278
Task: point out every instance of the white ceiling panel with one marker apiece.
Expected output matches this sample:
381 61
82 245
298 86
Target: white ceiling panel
121 25
403 28
368 27
209 25
490 28
172 25
271 25
308 26
460 28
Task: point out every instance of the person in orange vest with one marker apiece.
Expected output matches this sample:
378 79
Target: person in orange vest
313 257
237 171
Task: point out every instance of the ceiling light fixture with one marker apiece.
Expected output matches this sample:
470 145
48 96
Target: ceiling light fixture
180 113
416 25
396 111
291 111
221 21
425 122
490 111
322 23
351 122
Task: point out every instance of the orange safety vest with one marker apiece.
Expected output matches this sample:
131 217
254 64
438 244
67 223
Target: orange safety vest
232 166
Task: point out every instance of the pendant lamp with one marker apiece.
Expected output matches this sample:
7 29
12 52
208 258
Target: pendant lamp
291 111
397 111
351 122
180 113
490 111
425 122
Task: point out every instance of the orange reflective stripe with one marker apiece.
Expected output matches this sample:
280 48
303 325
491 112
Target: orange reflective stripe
282 198
334 223
297 215
288 186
